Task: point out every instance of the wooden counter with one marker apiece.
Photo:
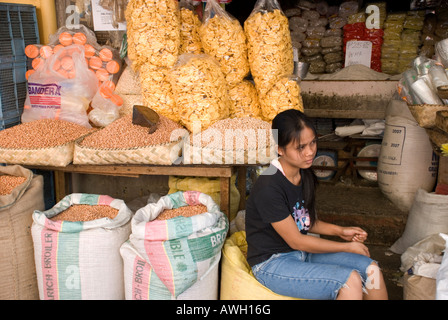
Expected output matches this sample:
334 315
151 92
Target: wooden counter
62 176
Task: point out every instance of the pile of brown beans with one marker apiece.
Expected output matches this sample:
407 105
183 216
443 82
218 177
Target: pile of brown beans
187 211
85 212
9 183
123 134
44 133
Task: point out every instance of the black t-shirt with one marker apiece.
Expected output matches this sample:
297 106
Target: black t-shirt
273 198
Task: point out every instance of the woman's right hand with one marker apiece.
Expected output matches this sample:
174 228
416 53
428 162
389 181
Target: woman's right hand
357 247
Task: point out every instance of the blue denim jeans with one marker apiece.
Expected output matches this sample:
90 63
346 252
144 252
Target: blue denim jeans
306 275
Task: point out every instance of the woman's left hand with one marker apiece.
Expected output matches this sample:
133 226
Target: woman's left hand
353 234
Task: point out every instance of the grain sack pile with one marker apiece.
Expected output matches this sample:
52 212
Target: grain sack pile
77 248
175 248
21 193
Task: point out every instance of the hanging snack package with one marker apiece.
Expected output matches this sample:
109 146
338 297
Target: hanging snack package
285 94
223 38
200 91
269 45
153 32
190 41
61 88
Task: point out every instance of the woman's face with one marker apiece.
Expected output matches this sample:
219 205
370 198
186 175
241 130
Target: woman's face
300 153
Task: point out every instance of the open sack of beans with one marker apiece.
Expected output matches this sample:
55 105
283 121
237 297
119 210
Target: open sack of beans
77 248
21 193
175 248
47 142
123 142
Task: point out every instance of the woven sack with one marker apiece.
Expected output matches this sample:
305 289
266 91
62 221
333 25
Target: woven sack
143 284
17 271
80 260
180 250
425 114
163 154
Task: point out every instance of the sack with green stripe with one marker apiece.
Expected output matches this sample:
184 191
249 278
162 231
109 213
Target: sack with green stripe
80 260
181 250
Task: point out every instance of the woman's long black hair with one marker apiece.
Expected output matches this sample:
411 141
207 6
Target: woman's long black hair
287 126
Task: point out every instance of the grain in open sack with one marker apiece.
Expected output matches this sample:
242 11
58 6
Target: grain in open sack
123 134
86 212
8 183
185 211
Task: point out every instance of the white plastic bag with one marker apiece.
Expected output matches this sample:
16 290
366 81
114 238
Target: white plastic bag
442 274
61 88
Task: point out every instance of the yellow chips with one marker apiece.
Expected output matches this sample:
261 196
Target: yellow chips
157 91
269 48
189 32
223 38
153 31
285 94
244 100
200 91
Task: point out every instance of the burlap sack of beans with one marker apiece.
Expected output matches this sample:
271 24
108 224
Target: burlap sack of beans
17 268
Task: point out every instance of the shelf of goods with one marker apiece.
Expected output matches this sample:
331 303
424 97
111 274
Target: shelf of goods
347 99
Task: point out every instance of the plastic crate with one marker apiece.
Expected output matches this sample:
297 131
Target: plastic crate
18 28
13 89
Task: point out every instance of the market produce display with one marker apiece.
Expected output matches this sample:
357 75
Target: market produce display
40 142
123 142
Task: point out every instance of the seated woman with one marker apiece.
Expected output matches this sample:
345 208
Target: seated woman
281 211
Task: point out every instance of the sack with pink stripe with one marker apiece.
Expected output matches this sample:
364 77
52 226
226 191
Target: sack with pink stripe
80 260
174 254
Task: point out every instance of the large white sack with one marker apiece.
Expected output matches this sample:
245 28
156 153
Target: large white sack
80 260
407 161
